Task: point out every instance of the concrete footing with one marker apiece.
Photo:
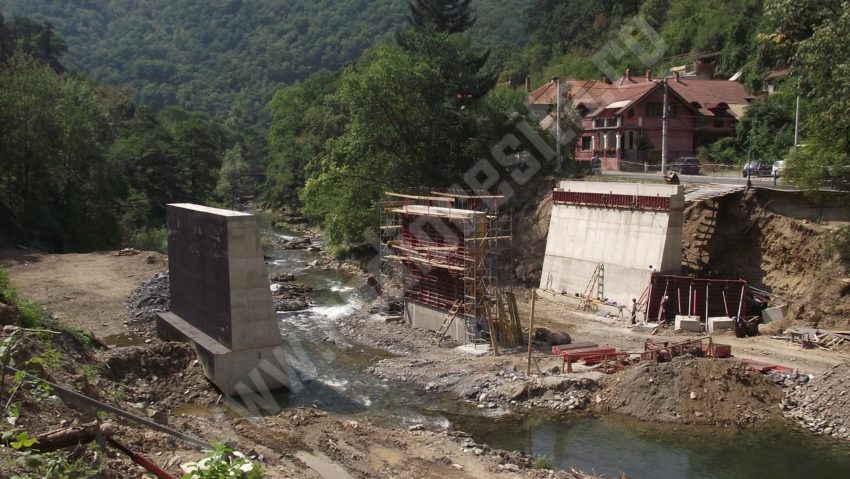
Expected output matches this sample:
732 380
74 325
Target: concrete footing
688 323
720 324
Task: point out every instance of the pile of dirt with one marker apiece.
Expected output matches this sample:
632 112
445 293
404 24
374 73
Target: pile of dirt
739 236
691 390
823 405
162 374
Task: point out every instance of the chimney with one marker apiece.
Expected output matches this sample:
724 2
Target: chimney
605 79
528 84
676 74
629 74
648 75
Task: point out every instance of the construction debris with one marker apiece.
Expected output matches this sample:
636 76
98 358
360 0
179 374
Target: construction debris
816 338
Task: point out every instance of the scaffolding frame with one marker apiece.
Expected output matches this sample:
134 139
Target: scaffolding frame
439 247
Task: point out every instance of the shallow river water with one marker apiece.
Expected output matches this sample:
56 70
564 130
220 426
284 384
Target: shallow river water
332 378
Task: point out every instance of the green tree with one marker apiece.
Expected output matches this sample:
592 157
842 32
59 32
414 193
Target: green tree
450 16
767 129
56 181
232 179
809 35
407 124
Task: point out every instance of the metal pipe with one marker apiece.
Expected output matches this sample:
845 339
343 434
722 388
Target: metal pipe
690 297
741 301
530 331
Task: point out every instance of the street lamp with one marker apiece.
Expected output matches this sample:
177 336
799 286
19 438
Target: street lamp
557 82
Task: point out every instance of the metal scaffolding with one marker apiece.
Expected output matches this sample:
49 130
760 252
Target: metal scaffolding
446 249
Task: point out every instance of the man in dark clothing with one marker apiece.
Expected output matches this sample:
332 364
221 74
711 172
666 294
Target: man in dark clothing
634 311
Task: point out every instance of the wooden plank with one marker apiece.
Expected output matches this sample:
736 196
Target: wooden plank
424 261
483 197
424 198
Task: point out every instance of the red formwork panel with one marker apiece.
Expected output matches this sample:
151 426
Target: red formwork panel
611 200
585 352
717 350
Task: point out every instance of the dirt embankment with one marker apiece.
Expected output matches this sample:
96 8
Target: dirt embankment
532 207
738 236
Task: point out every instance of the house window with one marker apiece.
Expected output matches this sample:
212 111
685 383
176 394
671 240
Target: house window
599 122
654 110
719 123
671 109
585 143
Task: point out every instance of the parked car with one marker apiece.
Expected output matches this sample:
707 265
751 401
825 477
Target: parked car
687 165
757 168
778 168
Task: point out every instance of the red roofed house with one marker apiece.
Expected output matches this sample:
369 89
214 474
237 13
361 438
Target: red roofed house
622 121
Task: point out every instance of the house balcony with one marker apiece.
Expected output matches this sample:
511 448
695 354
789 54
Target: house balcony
604 123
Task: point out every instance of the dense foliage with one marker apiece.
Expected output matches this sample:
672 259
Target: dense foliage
80 166
227 57
410 113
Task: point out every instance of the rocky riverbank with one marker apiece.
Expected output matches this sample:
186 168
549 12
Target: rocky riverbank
823 405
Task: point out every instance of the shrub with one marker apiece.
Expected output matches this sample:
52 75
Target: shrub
150 239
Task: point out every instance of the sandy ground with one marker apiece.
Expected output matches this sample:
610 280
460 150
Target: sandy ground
561 315
86 291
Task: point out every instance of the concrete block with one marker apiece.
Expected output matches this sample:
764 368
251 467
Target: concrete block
720 324
775 313
220 299
689 320
644 328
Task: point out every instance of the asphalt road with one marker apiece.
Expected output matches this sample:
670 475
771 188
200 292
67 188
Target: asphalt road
764 182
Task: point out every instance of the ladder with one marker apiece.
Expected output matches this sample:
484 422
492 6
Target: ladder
447 322
596 279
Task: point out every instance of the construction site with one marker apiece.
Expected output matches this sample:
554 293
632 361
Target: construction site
445 258
577 326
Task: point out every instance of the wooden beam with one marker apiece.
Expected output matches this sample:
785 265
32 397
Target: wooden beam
483 197
424 198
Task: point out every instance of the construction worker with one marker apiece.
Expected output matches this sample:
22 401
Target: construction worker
634 310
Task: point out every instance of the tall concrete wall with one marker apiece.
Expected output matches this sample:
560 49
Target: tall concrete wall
628 227
220 298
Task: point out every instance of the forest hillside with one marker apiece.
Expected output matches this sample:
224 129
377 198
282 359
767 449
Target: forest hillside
227 57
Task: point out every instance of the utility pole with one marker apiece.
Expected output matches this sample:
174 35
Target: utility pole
797 123
557 81
664 129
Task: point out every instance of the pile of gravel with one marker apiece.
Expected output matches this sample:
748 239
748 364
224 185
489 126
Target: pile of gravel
149 298
823 405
